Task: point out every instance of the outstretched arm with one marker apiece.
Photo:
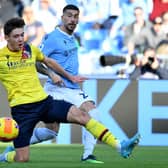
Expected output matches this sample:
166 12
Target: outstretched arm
54 66
41 68
50 63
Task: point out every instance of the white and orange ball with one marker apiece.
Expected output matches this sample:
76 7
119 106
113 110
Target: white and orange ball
9 129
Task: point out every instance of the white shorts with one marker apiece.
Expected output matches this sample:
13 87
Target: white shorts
74 96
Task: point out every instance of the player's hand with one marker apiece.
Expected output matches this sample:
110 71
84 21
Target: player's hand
78 79
56 79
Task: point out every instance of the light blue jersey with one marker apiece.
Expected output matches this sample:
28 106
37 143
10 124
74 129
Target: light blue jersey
62 48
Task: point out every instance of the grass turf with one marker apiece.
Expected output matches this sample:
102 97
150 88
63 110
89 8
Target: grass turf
68 156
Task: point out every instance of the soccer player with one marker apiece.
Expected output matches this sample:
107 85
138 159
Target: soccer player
29 102
61 45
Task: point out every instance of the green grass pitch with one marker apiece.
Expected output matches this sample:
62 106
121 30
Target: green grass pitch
68 156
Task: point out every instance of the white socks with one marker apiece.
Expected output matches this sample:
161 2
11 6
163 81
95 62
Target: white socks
89 141
42 134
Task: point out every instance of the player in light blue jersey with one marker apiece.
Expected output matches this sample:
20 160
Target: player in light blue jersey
61 45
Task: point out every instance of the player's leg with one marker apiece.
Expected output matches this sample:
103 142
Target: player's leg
8 152
53 126
27 116
21 151
89 141
51 130
62 111
77 97
85 103
44 134
12 154
101 132
22 155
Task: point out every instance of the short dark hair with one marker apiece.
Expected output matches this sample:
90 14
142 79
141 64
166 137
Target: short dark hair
70 7
12 24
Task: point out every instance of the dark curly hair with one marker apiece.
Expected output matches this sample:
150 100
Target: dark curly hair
12 24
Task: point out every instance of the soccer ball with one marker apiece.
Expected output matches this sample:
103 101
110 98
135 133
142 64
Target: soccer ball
9 129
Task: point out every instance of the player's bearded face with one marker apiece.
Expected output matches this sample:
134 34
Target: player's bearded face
70 19
15 39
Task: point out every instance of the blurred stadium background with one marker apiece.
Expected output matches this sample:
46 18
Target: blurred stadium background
132 105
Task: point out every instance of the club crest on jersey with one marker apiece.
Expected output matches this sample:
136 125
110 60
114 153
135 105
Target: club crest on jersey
26 52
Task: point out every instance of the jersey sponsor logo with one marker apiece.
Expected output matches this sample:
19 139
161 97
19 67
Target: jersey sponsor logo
18 64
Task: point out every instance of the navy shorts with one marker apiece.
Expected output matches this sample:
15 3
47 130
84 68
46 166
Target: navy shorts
28 115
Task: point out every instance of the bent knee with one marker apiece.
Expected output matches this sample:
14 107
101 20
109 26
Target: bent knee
78 116
22 154
87 106
53 126
22 159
